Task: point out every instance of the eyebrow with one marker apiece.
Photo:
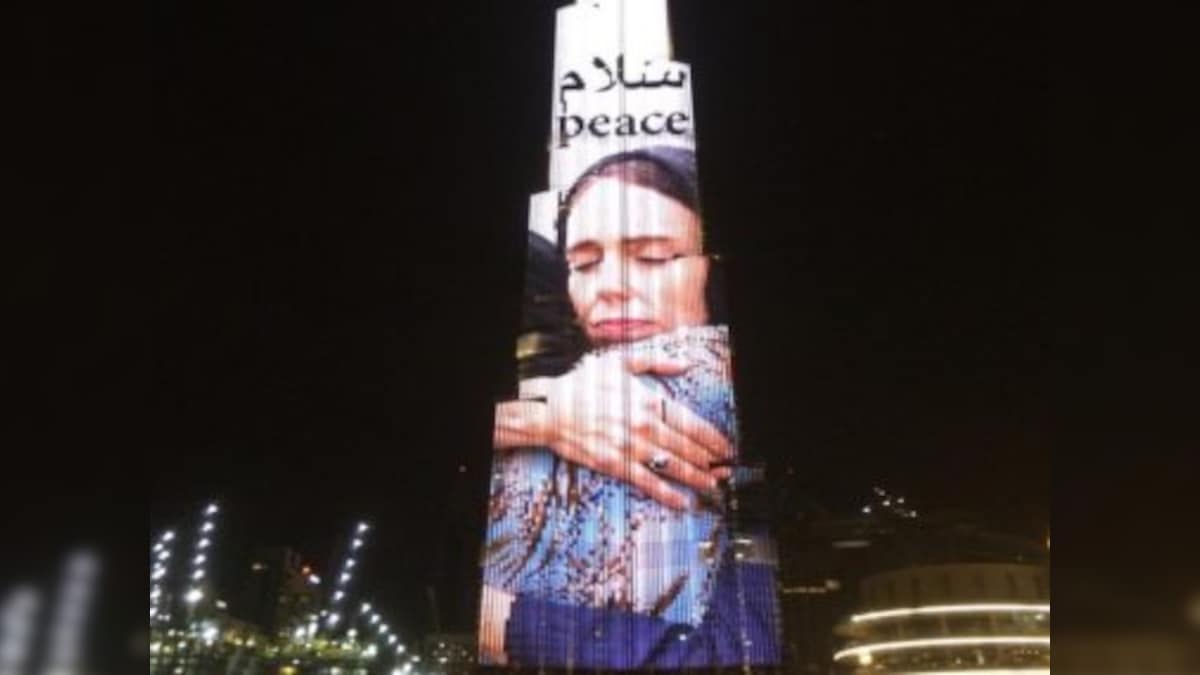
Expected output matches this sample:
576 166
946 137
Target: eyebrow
627 242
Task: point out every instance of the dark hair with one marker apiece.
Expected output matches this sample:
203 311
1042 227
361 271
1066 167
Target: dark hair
669 171
550 341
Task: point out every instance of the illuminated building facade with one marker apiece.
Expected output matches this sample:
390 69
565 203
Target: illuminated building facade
616 534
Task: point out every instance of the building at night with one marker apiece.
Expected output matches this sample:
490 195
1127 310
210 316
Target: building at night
949 618
902 569
281 592
622 530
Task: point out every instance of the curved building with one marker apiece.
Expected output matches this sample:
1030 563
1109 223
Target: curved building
979 618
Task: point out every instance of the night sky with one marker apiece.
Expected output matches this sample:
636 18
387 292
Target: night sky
339 204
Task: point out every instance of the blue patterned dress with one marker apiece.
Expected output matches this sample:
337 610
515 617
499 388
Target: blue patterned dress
563 534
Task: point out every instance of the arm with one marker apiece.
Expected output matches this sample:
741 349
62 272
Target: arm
520 424
602 417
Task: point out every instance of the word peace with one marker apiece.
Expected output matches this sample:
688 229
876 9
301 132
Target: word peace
602 126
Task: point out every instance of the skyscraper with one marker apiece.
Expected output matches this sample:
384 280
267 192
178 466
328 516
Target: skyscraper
615 538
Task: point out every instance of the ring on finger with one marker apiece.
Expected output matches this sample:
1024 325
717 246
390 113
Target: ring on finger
658 463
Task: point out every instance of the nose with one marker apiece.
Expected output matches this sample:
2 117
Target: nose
612 282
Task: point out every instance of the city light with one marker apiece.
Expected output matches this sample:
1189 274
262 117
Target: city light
979 608
160 554
205 627
900 645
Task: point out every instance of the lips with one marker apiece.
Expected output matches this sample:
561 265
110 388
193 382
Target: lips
613 330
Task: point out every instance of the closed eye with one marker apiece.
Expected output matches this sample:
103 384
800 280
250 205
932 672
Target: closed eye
658 259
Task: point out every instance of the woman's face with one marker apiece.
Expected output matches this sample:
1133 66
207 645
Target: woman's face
636 263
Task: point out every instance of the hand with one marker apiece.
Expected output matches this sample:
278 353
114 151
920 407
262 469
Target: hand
602 417
493 621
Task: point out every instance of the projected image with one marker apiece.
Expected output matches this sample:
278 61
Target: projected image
611 540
